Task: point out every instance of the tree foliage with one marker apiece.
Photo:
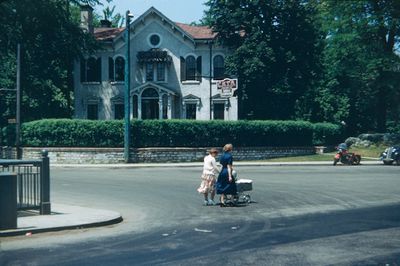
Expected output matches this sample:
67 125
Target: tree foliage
50 41
276 48
108 13
362 80
320 60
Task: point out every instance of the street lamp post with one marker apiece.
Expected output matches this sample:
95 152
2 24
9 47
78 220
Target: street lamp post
127 88
210 48
18 112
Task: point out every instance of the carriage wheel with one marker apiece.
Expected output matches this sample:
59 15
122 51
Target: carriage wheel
247 199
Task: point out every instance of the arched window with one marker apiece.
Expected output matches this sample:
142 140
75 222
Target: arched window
219 67
190 68
150 93
116 69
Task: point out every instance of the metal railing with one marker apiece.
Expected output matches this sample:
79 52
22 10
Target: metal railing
33 182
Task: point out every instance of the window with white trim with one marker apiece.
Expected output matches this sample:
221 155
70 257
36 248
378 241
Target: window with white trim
219 67
191 68
119 111
219 111
191 110
155 71
116 69
93 111
149 71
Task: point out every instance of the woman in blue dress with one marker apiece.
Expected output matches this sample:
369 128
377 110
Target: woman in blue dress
226 184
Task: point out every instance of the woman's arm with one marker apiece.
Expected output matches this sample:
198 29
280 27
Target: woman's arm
230 172
215 166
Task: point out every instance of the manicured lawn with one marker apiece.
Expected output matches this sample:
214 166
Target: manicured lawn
374 151
367 153
306 158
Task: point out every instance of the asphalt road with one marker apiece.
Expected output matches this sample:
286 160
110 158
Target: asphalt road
310 215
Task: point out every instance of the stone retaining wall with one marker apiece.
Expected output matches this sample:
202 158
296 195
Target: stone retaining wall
157 155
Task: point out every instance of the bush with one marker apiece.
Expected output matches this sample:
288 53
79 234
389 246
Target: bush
176 133
186 133
375 137
391 139
7 135
327 134
73 133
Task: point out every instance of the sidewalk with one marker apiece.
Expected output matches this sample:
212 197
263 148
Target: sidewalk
63 217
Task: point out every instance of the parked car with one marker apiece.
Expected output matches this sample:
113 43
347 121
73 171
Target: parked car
391 155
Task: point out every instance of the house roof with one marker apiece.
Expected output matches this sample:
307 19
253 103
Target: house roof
107 34
193 32
197 32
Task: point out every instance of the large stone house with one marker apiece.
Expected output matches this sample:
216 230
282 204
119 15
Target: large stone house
170 72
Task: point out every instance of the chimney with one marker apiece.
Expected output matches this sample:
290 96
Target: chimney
104 23
87 18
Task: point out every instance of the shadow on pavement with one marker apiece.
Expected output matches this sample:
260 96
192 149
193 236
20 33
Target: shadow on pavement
217 242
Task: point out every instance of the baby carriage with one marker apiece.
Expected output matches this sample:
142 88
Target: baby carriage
242 186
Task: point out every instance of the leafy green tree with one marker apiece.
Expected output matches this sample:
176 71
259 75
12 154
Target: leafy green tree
51 40
276 49
117 20
362 80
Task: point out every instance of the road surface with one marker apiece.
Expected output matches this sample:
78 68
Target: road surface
300 215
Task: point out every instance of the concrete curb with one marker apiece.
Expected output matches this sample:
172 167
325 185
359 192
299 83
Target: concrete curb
63 217
200 164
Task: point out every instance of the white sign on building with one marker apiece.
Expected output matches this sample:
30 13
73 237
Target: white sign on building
227 87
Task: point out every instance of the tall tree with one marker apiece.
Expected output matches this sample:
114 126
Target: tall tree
275 46
51 40
362 79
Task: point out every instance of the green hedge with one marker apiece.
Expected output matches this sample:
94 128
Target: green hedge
327 134
177 133
72 133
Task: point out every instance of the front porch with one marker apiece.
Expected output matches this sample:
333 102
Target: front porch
152 101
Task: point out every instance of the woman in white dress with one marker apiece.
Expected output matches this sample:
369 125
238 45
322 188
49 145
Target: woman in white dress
208 178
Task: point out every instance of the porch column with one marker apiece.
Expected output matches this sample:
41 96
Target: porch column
183 110
169 110
212 110
131 109
160 106
226 110
139 106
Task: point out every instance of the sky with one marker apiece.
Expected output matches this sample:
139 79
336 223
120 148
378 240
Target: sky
184 11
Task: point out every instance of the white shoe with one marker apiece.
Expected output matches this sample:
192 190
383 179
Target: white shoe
205 203
211 202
